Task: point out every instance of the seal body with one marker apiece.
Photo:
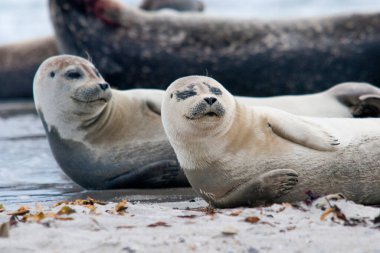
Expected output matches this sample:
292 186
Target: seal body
344 100
234 155
18 64
250 57
102 138
178 5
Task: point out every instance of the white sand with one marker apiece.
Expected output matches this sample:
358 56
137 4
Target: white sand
281 228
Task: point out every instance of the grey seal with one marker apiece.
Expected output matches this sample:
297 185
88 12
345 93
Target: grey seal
138 49
102 138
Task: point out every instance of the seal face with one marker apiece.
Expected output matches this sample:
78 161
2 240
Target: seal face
209 106
200 101
69 86
102 138
238 155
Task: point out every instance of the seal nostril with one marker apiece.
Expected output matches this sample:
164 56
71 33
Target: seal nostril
104 86
210 100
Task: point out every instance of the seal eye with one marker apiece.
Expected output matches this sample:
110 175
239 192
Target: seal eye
73 75
52 74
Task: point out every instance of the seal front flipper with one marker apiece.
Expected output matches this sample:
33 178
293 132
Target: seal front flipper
261 190
157 174
369 106
305 133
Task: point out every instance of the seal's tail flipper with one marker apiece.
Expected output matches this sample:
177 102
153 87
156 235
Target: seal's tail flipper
369 106
154 175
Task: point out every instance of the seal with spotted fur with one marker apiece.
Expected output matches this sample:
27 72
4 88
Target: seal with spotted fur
134 48
234 155
103 138
178 5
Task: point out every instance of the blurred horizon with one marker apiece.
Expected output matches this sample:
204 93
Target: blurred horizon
28 19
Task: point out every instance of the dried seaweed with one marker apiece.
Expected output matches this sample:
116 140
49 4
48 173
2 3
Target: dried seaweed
158 224
121 207
66 210
311 196
21 211
190 216
252 219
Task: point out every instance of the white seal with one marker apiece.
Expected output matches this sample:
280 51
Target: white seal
235 155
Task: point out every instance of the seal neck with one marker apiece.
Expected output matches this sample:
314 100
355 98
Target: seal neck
99 124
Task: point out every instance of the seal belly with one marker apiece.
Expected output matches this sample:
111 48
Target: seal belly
147 165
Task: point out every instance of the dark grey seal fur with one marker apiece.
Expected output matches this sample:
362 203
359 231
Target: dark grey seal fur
134 48
178 5
157 167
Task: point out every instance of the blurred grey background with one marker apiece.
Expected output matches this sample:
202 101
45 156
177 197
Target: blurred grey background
28 19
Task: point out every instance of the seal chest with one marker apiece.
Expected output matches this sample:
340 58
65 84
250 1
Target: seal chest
236 155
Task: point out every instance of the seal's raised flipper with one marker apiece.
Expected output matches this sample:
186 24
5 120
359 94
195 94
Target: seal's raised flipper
361 98
369 106
157 174
349 93
261 190
296 129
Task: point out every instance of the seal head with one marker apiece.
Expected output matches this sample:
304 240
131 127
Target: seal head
202 102
68 87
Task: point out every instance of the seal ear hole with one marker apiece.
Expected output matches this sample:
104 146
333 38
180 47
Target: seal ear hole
52 74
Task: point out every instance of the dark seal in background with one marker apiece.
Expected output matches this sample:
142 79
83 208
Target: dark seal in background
251 57
19 61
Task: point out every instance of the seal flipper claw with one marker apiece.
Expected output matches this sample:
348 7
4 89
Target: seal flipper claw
157 174
266 188
277 183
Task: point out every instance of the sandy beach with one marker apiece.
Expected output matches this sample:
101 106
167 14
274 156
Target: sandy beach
85 226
